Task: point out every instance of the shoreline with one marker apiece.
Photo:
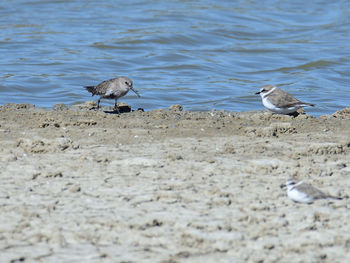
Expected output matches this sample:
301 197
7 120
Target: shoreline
171 185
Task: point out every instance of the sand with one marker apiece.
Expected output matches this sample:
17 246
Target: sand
79 185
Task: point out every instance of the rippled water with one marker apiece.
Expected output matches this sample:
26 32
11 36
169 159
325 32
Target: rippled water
202 54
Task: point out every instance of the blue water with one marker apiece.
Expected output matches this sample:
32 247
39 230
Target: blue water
201 54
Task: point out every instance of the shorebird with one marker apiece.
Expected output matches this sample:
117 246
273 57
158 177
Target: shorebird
279 101
112 89
302 192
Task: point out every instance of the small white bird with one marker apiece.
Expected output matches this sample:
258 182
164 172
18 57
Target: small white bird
302 192
279 101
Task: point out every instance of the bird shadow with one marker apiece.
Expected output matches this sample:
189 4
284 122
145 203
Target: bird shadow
122 109
294 114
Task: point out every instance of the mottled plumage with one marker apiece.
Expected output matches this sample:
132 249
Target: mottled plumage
112 89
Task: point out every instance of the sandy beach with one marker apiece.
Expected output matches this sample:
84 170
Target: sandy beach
80 185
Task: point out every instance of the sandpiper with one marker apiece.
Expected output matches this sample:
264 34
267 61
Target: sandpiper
112 89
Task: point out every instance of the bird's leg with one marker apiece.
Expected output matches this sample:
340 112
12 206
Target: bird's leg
98 103
116 107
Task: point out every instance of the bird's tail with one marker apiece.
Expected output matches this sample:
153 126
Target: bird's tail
335 197
303 104
310 104
91 89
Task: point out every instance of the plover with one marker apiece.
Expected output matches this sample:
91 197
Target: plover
279 101
302 192
112 89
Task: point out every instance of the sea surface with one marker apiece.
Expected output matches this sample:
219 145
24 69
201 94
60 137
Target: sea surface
202 54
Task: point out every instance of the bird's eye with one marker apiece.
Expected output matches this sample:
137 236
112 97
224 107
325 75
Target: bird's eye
127 83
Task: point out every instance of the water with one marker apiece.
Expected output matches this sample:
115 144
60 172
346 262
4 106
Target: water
201 54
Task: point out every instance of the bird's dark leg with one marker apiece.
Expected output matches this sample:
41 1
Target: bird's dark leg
116 107
98 103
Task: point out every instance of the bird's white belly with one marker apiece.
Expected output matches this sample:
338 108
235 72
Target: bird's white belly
115 93
275 109
299 196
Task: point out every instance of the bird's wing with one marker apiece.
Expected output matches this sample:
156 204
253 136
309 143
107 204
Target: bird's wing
290 101
103 87
287 100
318 194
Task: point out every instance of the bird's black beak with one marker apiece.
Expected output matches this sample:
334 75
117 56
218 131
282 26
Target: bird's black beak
257 92
283 186
137 93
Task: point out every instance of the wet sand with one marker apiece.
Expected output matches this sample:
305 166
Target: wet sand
79 185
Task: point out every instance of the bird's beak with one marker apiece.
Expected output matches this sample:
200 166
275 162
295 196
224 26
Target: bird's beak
257 92
283 186
136 92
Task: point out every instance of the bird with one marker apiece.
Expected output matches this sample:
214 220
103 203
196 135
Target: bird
302 192
279 101
112 89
